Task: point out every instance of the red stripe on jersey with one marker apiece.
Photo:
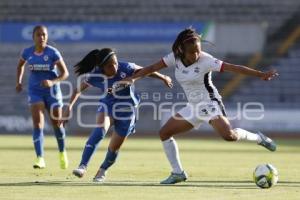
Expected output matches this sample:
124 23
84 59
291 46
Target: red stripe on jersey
164 62
222 67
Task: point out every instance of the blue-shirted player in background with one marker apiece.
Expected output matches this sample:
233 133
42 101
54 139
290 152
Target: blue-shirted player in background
118 104
44 91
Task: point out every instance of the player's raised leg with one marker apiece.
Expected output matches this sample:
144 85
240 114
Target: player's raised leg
222 125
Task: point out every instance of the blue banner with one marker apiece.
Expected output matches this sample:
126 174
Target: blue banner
93 32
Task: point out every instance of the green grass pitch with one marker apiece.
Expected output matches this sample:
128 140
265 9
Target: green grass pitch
218 170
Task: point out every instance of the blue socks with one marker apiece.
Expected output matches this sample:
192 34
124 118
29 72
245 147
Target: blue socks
96 136
109 159
60 134
38 141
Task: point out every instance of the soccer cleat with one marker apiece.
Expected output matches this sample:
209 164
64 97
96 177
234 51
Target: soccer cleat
39 163
175 178
63 159
80 171
267 142
100 176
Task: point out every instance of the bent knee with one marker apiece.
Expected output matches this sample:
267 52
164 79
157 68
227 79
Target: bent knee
164 134
230 136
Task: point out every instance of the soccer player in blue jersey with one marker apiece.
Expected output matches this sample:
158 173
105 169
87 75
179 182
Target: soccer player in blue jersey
44 92
117 106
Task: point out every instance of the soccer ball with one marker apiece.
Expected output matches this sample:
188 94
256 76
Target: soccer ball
265 176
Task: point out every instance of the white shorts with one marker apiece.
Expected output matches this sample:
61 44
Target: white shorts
196 114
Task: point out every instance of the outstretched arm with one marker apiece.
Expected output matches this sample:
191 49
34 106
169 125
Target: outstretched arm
166 79
75 95
269 75
146 71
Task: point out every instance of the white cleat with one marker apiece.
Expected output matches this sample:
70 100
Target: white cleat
100 176
267 142
80 171
175 178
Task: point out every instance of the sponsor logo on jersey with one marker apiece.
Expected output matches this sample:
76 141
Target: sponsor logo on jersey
39 67
118 86
196 70
185 71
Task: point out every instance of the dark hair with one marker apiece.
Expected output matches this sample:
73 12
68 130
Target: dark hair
37 28
92 59
187 35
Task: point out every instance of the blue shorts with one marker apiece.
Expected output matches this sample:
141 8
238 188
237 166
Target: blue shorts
124 118
49 100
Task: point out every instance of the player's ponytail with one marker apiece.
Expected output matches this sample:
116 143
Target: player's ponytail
92 59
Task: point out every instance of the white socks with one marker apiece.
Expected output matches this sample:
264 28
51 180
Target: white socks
172 153
246 135
171 150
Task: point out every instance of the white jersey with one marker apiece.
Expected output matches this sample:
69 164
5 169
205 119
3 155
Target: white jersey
196 78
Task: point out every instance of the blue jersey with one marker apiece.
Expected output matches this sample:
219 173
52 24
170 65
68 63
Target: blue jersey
125 95
42 67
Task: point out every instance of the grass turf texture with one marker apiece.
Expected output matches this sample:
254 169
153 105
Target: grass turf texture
217 170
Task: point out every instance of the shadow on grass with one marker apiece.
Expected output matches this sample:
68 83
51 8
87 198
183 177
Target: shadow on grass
130 183
138 149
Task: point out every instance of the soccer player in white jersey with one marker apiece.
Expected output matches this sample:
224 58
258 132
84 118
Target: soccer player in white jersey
193 69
